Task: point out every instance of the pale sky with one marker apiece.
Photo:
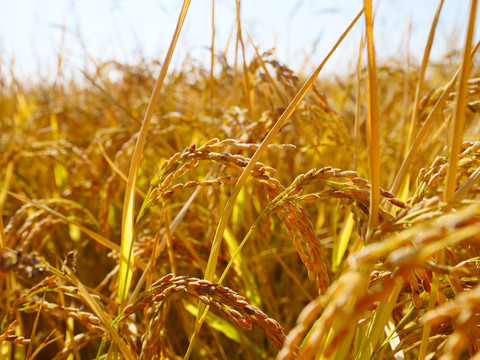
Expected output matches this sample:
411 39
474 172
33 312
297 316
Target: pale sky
31 31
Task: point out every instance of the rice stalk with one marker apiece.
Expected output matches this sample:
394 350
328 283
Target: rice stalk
373 121
128 217
460 103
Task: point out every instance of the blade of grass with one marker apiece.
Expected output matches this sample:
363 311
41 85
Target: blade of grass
246 82
358 110
421 73
341 246
215 248
399 180
235 70
373 123
460 106
128 216
212 62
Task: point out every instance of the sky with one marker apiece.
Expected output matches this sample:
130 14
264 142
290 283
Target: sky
34 32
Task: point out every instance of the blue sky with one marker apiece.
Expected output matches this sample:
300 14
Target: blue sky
34 32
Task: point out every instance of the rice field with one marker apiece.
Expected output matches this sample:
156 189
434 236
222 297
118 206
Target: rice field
247 213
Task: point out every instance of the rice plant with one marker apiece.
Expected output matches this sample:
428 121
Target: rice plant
246 213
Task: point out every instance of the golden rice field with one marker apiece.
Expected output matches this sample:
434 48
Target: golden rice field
246 213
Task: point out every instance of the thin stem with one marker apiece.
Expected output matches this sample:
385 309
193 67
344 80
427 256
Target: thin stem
458 124
373 123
